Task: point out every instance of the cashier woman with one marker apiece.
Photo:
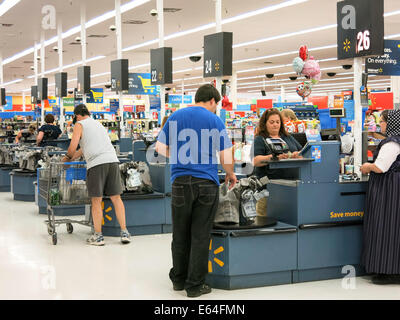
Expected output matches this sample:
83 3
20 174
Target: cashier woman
271 126
381 249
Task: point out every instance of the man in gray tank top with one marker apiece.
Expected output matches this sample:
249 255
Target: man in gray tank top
103 175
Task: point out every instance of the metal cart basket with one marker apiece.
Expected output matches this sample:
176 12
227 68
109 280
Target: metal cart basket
64 183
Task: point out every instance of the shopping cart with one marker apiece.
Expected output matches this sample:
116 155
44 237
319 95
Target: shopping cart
63 183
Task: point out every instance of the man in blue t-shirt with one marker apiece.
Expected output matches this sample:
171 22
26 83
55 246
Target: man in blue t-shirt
192 139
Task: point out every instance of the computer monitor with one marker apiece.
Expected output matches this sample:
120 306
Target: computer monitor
301 138
330 135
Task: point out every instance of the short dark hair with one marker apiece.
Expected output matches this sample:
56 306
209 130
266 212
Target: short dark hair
49 118
207 92
81 110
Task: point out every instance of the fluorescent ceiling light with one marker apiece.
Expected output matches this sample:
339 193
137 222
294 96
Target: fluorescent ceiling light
12 82
108 15
213 24
263 10
7 5
286 35
69 66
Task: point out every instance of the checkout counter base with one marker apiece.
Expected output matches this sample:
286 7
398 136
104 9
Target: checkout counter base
24 197
320 274
22 185
133 230
167 228
249 281
144 214
248 258
5 188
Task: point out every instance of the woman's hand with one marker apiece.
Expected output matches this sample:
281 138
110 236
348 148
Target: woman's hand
366 168
283 156
296 155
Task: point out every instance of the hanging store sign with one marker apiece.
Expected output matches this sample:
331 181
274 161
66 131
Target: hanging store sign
360 28
218 55
161 65
387 64
140 84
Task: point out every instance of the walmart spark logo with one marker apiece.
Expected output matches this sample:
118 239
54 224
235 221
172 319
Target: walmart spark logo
347 44
106 211
216 260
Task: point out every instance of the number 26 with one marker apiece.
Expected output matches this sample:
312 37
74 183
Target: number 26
363 41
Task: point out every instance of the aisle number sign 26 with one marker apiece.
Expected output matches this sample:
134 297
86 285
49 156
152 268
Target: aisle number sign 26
360 28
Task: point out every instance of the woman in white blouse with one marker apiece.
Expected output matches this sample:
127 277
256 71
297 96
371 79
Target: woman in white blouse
381 243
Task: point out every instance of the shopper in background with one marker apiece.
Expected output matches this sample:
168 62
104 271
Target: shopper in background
103 174
195 191
49 131
291 122
381 244
31 131
271 126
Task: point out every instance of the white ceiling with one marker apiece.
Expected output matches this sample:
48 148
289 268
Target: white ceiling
301 18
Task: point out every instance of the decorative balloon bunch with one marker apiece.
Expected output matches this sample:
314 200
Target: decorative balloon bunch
309 67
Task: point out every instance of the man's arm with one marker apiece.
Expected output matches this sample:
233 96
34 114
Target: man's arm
39 137
162 149
76 137
228 164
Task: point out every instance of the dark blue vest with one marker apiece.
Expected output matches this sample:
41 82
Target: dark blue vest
396 165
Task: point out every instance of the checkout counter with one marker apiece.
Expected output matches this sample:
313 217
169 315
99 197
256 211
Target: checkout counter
318 228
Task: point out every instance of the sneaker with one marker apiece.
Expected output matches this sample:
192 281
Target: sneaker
198 291
125 237
96 240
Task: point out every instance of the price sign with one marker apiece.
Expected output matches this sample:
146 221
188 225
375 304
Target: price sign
218 55
360 30
161 65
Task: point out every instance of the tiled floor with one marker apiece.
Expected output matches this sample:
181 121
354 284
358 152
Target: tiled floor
32 268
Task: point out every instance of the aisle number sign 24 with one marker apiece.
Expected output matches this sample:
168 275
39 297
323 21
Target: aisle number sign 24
208 66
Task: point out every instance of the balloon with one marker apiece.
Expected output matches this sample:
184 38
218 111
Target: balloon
303 53
316 78
311 68
304 89
298 65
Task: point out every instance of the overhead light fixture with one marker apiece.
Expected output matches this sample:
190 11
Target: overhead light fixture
213 24
263 10
286 35
7 5
12 82
108 15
